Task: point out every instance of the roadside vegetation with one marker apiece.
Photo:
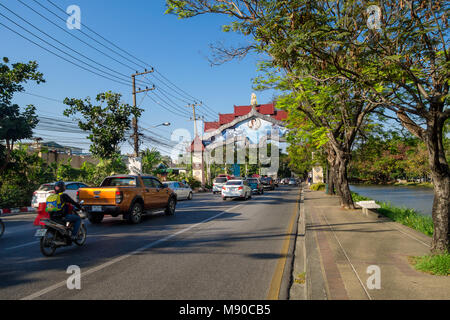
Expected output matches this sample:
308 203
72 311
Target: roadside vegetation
317 187
433 264
405 216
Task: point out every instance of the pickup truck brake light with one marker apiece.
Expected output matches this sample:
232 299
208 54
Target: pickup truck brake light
78 196
119 197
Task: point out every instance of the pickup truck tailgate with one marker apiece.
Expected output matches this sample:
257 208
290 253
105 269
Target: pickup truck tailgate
98 196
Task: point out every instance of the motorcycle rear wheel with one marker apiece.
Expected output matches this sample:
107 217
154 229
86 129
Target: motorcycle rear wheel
47 247
82 235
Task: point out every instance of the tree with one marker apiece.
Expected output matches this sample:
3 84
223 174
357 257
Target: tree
14 124
403 62
150 158
107 124
334 105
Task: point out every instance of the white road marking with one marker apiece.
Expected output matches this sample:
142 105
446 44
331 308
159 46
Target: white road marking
118 259
22 245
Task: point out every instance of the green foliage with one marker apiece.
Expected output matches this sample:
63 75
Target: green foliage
317 187
24 174
66 172
192 182
405 216
13 195
13 76
434 264
150 158
106 124
14 124
389 156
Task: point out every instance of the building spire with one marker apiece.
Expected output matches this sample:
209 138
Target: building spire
254 101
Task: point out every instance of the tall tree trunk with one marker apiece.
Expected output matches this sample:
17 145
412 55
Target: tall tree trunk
331 180
342 160
441 181
440 172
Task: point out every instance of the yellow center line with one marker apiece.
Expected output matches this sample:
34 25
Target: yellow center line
275 285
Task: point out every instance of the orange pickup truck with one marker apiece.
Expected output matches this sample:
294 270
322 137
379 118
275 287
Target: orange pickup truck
128 195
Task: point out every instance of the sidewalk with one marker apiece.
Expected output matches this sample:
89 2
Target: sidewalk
335 247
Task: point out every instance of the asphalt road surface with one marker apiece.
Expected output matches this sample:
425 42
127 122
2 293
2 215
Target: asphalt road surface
210 249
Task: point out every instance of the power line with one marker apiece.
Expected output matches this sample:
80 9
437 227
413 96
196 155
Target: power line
59 56
174 86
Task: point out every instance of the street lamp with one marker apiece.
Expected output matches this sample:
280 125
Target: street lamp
165 124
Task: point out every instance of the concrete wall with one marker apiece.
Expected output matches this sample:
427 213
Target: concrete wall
77 161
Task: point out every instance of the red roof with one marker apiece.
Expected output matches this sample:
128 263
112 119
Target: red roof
209 126
280 115
226 118
242 110
266 109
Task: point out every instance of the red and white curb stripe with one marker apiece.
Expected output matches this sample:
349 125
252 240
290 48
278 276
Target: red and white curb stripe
18 210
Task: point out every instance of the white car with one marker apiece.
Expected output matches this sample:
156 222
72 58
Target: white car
182 190
41 194
236 189
218 184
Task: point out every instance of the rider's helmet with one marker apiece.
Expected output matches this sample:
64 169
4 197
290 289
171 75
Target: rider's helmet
61 187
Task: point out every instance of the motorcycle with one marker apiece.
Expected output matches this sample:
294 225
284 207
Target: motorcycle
2 228
56 233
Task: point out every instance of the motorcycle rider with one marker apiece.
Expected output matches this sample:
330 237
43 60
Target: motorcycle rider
59 188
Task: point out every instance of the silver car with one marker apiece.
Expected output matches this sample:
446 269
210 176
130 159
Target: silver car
182 190
41 194
236 189
218 184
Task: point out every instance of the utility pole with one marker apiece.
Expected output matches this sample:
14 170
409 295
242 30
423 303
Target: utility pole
195 118
135 121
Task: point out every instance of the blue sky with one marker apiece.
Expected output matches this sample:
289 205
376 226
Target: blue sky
176 48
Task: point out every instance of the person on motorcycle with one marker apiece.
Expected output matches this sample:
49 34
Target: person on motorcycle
59 188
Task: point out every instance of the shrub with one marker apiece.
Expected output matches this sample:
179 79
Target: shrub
12 196
317 187
193 183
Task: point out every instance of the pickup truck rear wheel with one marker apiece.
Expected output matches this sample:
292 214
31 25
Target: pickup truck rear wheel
135 215
95 218
170 209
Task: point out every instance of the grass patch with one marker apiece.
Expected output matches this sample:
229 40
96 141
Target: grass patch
317 187
405 216
434 264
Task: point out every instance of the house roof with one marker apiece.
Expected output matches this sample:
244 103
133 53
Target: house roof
239 111
226 118
211 126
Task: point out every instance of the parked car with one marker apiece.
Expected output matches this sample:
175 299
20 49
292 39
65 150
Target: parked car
46 189
128 195
182 190
268 183
256 185
236 189
218 183
292 182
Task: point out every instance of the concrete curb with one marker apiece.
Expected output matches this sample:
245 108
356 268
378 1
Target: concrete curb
18 210
298 289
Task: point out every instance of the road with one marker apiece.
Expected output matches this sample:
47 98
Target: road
210 249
